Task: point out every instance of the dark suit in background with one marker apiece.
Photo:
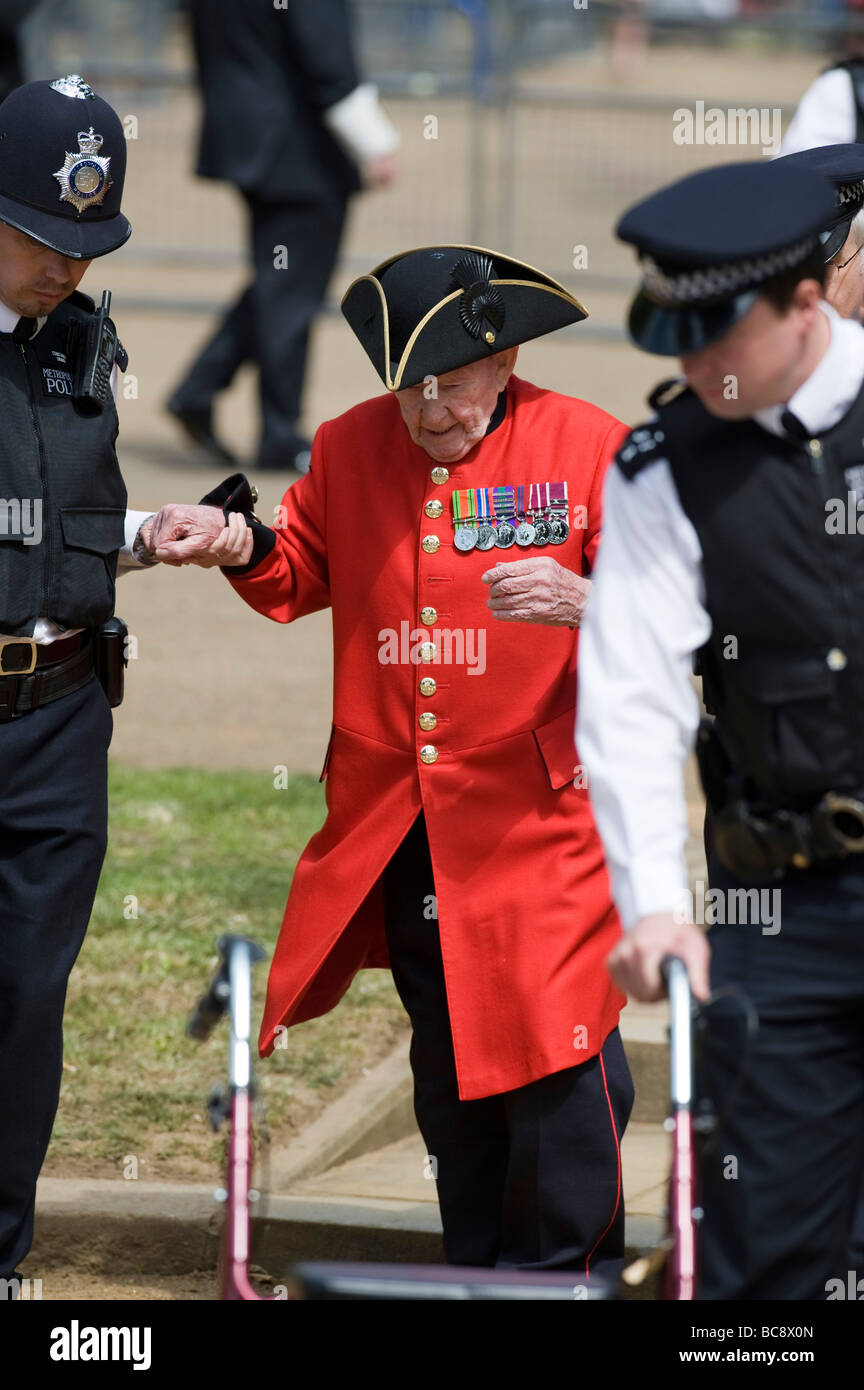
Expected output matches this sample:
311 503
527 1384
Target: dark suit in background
267 75
12 14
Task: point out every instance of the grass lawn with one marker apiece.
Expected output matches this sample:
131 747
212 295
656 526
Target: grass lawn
192 855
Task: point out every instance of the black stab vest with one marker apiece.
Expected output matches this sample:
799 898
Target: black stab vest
784 666
60 455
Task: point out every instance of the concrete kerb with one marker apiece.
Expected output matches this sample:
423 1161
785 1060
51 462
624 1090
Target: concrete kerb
376 1111
114 1226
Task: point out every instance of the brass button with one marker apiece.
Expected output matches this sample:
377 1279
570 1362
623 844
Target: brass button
439 475
433 508
427 721
430 544
429 616
836 659
428 651
428 686
428 753
490 337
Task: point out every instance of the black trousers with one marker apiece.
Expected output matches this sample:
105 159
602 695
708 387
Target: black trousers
53 833
530 1178
782 1175
294 249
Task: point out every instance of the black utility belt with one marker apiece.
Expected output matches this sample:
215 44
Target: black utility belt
34 674
760 845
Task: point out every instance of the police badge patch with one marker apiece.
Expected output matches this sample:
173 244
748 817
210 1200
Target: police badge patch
56 382
84 178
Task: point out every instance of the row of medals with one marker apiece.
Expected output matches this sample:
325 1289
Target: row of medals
546 529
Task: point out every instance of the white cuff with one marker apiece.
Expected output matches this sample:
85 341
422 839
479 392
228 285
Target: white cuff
361 124
656 885
126 560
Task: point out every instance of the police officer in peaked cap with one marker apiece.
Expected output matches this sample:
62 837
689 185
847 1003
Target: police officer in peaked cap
843 236
64 527
731 529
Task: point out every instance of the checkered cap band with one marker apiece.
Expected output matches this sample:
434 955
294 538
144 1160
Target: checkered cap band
852 193
706 284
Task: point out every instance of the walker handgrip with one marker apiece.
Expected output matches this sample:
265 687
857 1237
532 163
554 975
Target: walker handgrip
674 971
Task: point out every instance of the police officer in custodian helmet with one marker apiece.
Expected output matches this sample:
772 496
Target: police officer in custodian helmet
63 525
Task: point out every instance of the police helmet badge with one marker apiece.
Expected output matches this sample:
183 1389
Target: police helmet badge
84 178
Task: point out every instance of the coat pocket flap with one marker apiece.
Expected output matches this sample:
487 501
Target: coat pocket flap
556 741
94 528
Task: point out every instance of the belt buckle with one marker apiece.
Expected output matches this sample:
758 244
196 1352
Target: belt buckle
6 642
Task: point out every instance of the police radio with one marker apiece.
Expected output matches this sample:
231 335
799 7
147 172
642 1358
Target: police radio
96 350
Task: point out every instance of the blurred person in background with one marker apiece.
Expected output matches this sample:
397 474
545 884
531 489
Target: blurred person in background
289 123
831 111
843 238
12 14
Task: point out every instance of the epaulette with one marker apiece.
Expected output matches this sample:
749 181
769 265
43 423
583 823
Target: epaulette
641 447
667 392
647 443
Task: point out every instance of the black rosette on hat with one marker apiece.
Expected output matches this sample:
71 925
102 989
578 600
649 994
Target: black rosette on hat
481 302
432 310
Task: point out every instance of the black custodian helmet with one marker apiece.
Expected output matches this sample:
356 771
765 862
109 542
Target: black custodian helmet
62 164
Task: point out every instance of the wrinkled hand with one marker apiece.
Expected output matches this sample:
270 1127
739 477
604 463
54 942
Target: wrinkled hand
635 963
536 591
178 533
233 545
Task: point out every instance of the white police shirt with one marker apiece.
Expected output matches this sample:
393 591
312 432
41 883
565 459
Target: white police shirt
825 115
638 711
45 631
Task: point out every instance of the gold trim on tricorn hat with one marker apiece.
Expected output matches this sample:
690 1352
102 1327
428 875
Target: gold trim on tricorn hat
427 311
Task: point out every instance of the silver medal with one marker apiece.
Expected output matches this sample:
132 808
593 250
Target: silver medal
465 538
506 535
485 536
525 533
559 530
542 531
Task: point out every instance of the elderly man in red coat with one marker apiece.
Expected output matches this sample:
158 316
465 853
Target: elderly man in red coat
449 525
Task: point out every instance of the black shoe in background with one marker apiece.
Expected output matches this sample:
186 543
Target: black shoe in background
198 425
297 455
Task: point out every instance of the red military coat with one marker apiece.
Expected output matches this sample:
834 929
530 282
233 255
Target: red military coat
523 901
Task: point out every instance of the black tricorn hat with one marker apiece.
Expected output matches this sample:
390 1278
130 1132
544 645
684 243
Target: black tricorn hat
432 310
62 165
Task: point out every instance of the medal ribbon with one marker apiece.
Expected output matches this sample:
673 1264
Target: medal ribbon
502 502
558 496
539 498
507 501
462 503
